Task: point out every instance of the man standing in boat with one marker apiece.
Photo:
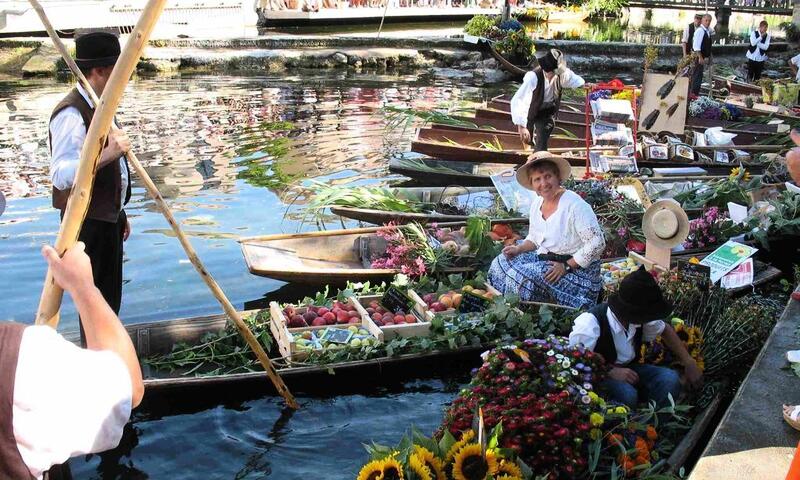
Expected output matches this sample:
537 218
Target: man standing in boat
757 52
535 105
701 45
106 225
688 34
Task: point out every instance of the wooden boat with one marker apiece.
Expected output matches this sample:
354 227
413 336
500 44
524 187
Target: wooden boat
419 194
432 172
736 86
382 217
328 257
463 144
563 16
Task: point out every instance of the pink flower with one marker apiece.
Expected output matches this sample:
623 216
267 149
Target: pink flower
622 231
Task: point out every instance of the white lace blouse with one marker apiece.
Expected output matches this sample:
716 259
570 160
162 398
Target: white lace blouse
571 230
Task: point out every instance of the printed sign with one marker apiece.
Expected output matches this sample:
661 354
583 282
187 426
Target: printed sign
726 258
395 301
337 335
473 303
514 196
740 276
700 273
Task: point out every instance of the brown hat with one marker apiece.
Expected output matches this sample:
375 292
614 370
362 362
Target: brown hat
665 224
523 174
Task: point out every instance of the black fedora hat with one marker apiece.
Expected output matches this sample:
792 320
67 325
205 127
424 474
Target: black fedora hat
639 299
96 49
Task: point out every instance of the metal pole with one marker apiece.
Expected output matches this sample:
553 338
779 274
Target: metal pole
385 7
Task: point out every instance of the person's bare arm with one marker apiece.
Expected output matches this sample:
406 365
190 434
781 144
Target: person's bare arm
103 329
675 345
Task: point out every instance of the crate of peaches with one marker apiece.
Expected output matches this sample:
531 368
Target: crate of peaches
299 330
397 313
465 300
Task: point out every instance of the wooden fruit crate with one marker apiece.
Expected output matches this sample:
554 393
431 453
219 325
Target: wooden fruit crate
422 328
288 348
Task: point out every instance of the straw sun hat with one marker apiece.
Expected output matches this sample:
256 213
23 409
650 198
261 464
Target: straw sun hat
523 172
665 224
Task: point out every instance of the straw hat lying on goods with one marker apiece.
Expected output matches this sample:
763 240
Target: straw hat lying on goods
665 224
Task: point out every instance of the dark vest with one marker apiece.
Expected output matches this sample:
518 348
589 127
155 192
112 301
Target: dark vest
605 343
705 47
537 99
762 51
107 198
11 464
690 38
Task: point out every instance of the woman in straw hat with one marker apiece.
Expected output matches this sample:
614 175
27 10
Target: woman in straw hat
559 259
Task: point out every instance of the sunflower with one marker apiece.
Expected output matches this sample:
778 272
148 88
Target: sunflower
465 438
430 460
416 465
507 477
471 464
371 471
508 469
392 470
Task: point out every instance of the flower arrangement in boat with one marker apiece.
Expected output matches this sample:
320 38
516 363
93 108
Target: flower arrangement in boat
719 193
656 353
461 457
708 108
543 393
712 228
409 250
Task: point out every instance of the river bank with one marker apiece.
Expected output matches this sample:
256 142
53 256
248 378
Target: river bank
445 56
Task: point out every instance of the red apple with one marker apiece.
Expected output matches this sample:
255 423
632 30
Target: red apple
329 317
297 321
318 322
321 311
411 318
399 319
342 317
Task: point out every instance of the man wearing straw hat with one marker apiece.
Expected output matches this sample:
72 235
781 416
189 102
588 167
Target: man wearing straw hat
535 105
106 225
96 387
616 330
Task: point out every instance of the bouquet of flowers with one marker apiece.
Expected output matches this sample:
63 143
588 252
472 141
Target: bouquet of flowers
543 392
655 352
707 107
408 249
710 229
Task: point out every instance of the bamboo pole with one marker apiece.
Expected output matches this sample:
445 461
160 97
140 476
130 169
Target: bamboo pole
151 188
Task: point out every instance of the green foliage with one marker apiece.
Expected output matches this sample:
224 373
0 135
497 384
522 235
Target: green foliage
325 196
718 193
782 220
605 8
402 118
791 31
517 46
479 25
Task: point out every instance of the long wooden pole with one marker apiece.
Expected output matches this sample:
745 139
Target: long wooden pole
151 188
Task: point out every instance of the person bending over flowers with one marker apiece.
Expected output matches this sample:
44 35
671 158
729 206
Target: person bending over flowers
616 330
559 259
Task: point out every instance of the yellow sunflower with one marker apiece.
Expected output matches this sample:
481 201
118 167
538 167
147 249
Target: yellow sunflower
471 464
416 465
465 439
371 471
430 460
392 470
507 477
508 469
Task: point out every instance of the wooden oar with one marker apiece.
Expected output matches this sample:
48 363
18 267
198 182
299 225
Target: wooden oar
151 188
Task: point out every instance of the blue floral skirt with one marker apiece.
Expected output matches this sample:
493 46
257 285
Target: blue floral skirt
524 275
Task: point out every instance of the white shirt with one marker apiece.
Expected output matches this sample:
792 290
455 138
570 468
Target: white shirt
586 331
68 401
796 61
571 230
755 41
67 133
699 33
521 101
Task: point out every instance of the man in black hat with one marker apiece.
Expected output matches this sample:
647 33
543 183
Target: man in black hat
688 34
535 105
617 329
106 225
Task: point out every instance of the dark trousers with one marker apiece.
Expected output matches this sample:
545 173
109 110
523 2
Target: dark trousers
754 70
104 247
543 126
697 78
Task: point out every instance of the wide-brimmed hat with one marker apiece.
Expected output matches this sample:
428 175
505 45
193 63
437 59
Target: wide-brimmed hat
523 174
665 224
96 49
553 61
639 299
